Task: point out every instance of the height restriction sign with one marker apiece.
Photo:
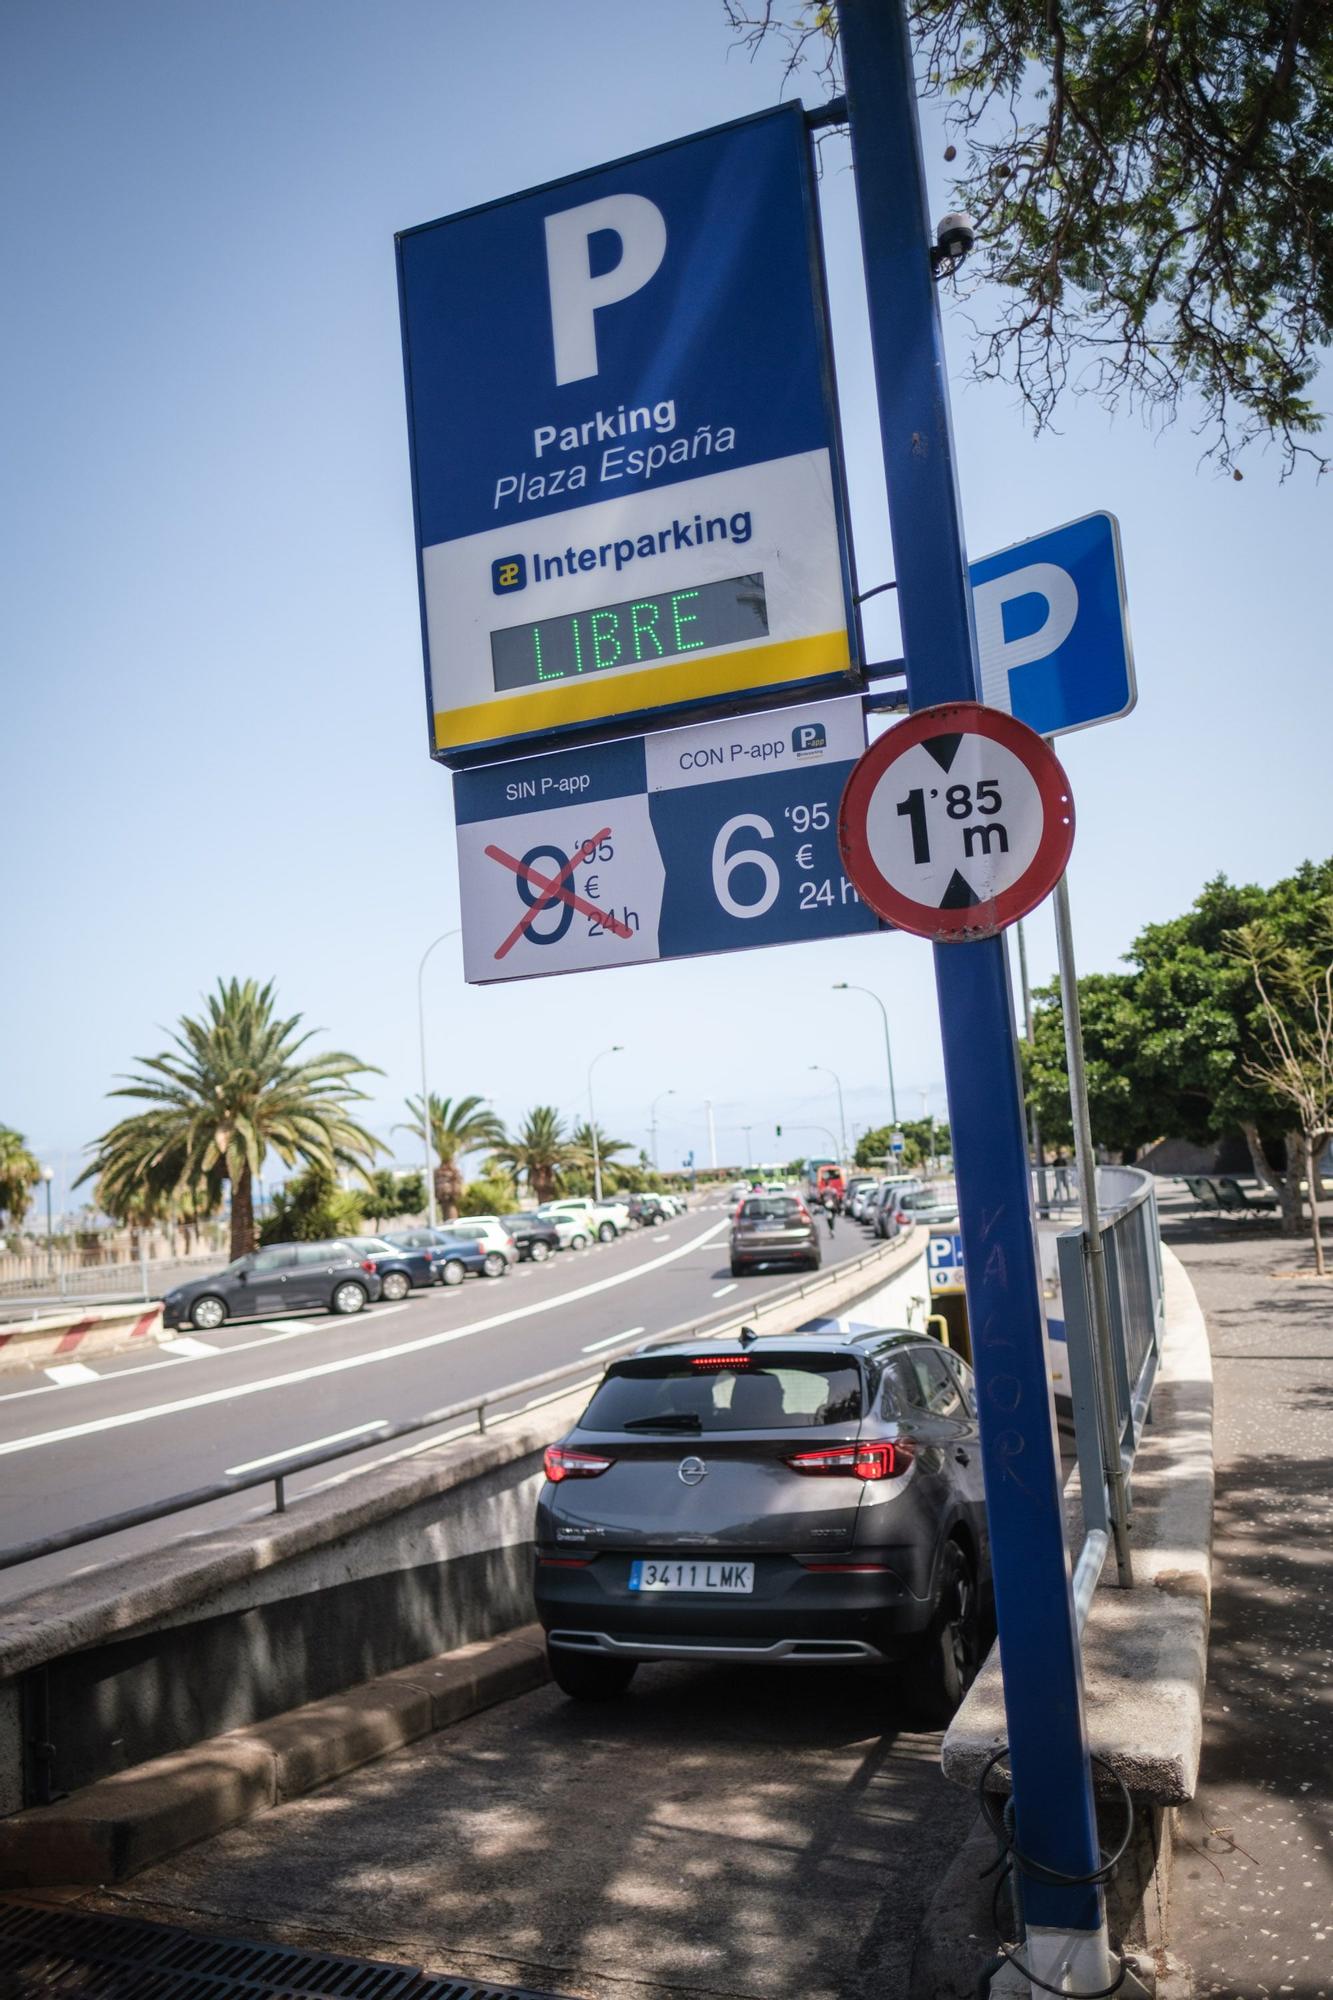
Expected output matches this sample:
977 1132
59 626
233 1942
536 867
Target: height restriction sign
957 822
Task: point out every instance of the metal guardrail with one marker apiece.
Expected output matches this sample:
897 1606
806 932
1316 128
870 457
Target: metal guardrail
1112 1365
475 1407
123 1282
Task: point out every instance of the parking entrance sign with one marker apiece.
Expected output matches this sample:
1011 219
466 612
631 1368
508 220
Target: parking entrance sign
624 449
712 838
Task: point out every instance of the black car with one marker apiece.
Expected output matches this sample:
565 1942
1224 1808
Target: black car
810 1497
452 1256
399 1269
647 1210
283 1278
536 1238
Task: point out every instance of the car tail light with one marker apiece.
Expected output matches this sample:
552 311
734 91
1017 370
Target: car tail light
720 1361
480 1249
561 1463
864 1461
803 1211
367 1265
564 1562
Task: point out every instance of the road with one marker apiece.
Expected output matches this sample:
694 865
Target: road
82 1441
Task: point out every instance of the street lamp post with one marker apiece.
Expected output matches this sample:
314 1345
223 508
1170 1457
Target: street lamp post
842 1122
652 1122
425 1098
614 1050
749 1156
48 1175
841 986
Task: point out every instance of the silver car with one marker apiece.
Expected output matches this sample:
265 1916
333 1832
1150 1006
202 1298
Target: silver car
773 1229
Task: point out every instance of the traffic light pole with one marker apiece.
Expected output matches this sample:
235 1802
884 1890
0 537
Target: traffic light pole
1065 1945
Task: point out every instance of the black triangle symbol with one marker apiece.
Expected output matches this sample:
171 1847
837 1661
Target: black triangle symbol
943 749
959 895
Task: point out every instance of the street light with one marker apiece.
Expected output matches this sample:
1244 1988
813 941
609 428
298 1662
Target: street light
615 1050
425 1099
48 1175
842 1122
841 986
652 1121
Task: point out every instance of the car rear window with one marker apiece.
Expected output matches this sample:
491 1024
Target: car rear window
690 1394
771 1208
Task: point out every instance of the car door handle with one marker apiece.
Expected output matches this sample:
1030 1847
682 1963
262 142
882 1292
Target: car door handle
961 1455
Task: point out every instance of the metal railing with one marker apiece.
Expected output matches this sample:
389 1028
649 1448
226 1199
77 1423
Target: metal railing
477 1408
122 1281
1112 1360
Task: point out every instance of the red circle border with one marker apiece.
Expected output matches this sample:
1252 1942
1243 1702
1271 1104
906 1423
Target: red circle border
978 920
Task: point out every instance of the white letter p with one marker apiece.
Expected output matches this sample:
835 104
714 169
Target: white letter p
575 293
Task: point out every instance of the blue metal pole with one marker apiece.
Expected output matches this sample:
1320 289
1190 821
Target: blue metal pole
1048 1747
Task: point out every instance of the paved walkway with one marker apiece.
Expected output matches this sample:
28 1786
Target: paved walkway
1252 1891
740 1835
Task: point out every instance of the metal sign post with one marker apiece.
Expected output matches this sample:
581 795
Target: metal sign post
1055 1824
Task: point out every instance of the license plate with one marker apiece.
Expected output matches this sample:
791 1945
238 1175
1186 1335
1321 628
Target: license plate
713 1576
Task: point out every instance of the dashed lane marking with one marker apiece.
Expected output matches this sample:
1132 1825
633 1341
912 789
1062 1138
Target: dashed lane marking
189 1348
66 1373
237 1390
722 1291
312 1444
595 1346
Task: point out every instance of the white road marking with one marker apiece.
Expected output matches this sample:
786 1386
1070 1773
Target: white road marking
595 1346
312 1444
663 1238
191 1349
284 1330
349 1361
722 1291
66 1373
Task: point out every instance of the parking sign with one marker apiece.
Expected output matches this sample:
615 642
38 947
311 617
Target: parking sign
624 448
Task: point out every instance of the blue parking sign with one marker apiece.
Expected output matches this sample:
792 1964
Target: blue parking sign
1053 628
627 489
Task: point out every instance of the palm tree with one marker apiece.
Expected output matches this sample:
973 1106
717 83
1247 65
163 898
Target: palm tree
606 1148
457 1126
233 1088
541 1149
20 1172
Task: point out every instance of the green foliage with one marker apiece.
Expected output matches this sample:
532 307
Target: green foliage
389 1195
922 1141
310 1209
541 1152
493 1194
457 1126
20 1172
1126 1114
1151 192
234 1087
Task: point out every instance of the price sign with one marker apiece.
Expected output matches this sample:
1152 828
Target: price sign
957 822
713 838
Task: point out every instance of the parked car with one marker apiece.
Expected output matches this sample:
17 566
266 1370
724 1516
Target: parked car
882 1202
534 1237
799 1498
773 1229
399 1269
282 1278
603 1220
574 1233
857 1186
453 1252
490 1230
926 1206
647 1210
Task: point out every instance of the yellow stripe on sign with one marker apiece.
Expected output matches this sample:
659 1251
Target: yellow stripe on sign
602 696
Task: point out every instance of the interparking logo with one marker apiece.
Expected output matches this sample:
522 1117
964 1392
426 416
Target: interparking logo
808 738
508 573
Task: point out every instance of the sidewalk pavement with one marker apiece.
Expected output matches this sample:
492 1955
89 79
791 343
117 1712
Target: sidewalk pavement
1252 1887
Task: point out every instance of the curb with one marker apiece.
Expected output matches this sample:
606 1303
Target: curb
88 1330
112 1829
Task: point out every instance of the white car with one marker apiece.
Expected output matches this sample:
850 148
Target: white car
573 1230
489 1229
605 1220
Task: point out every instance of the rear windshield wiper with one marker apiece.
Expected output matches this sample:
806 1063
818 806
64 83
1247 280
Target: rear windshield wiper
679 1422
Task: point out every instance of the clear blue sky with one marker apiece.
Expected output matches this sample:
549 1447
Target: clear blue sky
214 754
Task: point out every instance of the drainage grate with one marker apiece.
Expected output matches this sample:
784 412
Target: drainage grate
83 1956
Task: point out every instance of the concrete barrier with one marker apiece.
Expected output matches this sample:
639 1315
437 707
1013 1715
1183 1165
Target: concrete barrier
76 1331
220 1630
1145 1654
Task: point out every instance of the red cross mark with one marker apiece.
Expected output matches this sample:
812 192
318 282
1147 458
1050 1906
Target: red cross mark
556 889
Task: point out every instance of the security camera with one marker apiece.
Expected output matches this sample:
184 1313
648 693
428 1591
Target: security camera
955 235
